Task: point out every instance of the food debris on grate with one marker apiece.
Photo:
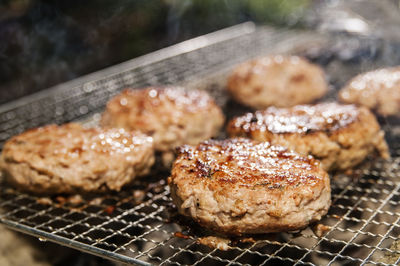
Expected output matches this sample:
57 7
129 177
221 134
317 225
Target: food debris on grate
139 225
215 242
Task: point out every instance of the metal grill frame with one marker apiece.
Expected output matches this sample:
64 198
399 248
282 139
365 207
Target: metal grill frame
363 221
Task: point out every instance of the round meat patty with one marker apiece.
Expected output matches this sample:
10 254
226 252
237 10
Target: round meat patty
340 136
69 158
278 80
173 116
378 90
241 186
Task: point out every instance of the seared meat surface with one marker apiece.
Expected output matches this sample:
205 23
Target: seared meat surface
341 136
277 81
173 116
378 90
70 158
240 186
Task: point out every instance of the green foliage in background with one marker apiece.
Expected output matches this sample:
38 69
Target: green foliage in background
277 11
213 14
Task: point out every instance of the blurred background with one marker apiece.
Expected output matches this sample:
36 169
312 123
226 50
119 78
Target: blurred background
44 43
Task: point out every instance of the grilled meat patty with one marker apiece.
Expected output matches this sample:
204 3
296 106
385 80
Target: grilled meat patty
173 116
70 158
341 136
277 80
241 186
378 90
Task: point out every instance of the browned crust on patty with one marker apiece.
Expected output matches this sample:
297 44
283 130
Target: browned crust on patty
173 116
341 136
378 90
70 158
240 186
277 80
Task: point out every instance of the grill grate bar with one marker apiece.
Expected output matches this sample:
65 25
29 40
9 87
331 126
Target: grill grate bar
335 225
135 223
142 237
2 204
114 219
280 258
345 242
364 209
186 249
366 223
209 255
27 208
274 255
43 236
316 251
386 236
181 250
241 255
158 245
397 261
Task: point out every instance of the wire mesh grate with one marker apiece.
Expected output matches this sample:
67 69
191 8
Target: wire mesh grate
140 225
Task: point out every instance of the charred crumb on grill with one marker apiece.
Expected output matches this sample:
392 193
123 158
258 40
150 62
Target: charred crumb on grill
341 136
181 235
320 229
44 201
215 242
226 183
138 195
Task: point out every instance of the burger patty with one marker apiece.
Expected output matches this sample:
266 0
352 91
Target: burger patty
173 116
70 158
277 81
341 136
241 186
378 90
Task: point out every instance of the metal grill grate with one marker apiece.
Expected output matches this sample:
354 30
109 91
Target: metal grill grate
139 224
